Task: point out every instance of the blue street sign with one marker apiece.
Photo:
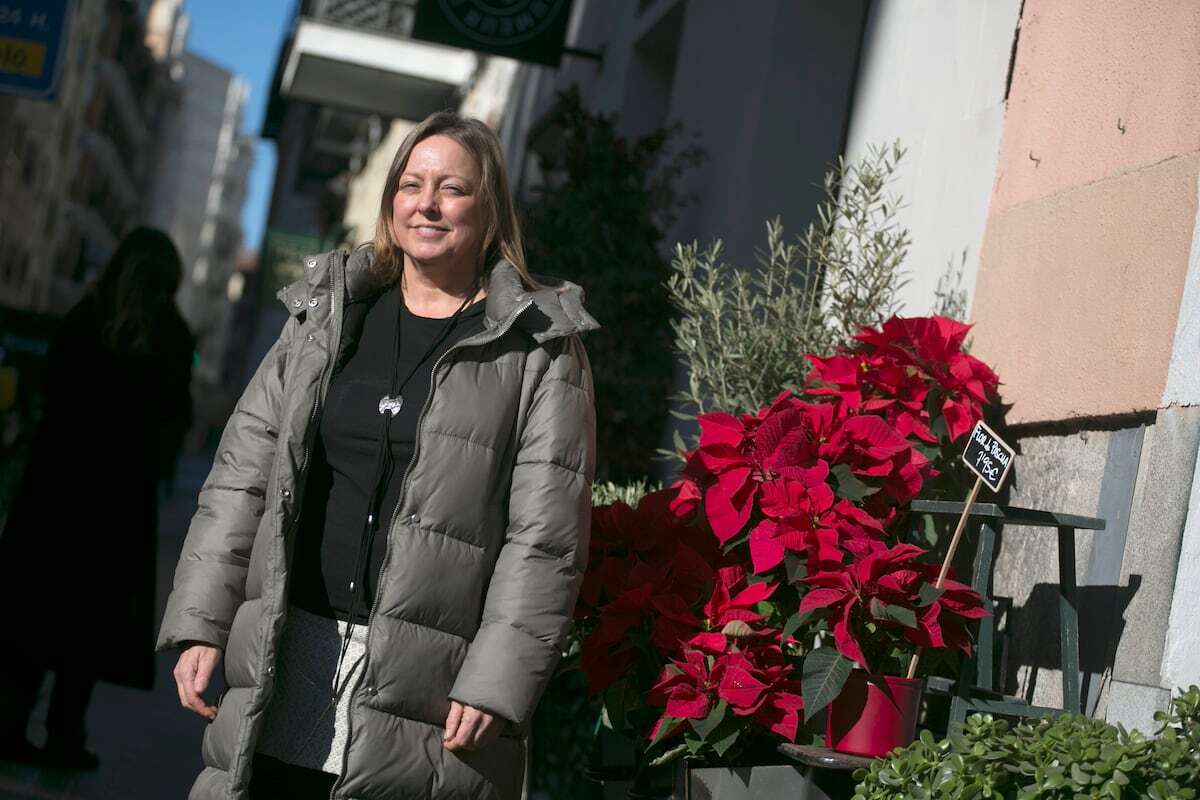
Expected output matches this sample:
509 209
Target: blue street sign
32 34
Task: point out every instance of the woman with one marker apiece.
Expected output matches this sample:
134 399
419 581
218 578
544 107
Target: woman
80 543
389 545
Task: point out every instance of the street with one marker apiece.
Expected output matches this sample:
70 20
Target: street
149 747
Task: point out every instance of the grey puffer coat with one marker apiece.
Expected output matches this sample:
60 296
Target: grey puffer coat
485 550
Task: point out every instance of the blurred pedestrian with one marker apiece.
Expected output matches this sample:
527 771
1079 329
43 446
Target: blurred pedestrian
389 545
78 552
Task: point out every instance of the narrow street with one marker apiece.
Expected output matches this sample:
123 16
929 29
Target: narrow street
149 747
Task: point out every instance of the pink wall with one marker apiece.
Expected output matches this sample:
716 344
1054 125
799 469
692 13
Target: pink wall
1086 251
1083 65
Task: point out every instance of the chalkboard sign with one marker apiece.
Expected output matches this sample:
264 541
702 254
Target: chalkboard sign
988 456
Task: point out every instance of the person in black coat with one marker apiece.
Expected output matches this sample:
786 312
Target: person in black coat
78 551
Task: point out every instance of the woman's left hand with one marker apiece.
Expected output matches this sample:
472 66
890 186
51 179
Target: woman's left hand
468 728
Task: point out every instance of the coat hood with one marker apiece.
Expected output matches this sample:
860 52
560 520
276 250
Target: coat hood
552 310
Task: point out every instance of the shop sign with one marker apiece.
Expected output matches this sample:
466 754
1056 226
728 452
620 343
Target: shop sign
32 35
525 30
988 456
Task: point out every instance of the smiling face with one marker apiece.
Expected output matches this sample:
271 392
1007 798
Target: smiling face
438 215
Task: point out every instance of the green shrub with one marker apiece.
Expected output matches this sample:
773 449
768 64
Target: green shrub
597 218
743 333
1068 756
628 493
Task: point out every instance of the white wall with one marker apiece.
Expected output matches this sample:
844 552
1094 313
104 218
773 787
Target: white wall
763 87
933 75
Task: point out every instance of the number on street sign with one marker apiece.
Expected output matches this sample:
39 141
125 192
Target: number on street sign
988 456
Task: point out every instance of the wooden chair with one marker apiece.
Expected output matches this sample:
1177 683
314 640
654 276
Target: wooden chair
975 689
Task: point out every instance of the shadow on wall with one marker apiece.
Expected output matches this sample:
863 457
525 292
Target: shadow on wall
1031 636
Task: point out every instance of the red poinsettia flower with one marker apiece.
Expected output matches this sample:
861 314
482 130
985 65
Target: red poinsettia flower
734 596
934 345
685 688
780 713
758 682
799 517
867 444
841 376
909 471
932 338
736 455
674 623
606 652
887 575
943 622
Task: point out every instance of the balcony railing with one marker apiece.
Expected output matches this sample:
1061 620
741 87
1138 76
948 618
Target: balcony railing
394 17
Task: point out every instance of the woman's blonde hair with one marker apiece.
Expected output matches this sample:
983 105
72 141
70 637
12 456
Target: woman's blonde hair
502 233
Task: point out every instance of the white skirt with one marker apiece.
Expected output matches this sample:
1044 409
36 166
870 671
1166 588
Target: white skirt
304 725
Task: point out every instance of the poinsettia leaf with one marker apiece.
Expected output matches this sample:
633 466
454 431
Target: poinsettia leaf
929 530
737 628
795 567
726 740
670 755
898 614
614 705
705 727
930 451
666 726
822 677
849 487
794 622
735 542
928 593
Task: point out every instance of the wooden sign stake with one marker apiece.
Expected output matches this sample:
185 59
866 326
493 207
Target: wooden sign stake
990 459
962 524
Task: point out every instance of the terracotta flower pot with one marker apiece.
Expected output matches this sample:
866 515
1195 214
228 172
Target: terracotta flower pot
873 715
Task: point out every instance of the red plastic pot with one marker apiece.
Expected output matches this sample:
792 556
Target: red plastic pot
873 715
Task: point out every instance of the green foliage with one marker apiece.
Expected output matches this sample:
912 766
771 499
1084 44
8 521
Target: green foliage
1065 757
598 219
629 493
743 333
950 297
824 675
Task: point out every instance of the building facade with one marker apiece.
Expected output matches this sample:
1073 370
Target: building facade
202 163
76 167
1054 163
1050 181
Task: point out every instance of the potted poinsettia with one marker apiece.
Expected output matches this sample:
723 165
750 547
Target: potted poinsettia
719 616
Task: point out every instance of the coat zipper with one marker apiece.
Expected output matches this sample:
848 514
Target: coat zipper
387 546
310 432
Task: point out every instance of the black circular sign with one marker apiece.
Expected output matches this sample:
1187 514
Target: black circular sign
501 22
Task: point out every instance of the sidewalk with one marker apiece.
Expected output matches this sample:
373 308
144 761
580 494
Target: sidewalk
149 746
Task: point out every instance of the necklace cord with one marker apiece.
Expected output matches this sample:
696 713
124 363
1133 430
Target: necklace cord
383 460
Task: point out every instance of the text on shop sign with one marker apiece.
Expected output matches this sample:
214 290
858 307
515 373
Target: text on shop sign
988 456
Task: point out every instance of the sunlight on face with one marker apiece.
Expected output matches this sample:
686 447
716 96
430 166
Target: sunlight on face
437 214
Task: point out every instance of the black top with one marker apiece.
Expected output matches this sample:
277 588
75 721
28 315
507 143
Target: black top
341 479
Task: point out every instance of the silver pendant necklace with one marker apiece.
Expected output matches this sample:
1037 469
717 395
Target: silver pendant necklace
391 405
